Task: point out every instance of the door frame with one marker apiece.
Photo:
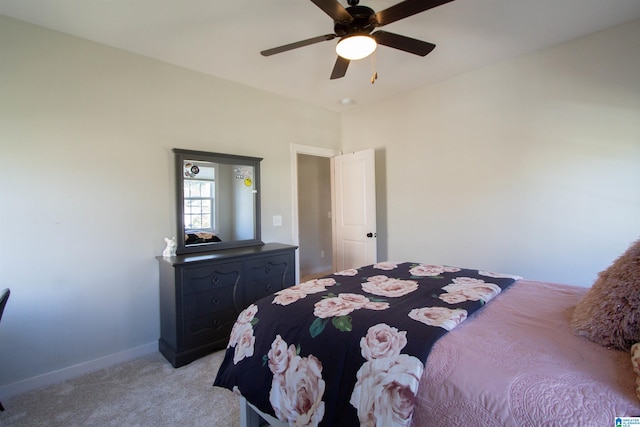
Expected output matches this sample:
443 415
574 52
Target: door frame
309 150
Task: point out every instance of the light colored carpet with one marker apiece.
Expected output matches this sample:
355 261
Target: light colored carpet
144 392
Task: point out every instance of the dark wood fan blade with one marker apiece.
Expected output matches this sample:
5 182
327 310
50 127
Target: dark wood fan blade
405 9
340 68
396 41
296 45
334 9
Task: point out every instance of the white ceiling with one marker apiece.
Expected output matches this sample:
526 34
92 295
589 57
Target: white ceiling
224 38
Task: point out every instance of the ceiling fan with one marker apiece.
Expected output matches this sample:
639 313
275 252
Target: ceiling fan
354 26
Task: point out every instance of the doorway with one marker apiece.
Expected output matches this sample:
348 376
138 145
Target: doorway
312 205
326 184
314 217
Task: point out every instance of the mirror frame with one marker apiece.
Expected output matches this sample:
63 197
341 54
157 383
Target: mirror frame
180 156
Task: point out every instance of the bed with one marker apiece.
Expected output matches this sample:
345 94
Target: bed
196 236
423 345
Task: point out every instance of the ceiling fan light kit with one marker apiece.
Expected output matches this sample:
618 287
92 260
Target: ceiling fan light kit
355 27
356 47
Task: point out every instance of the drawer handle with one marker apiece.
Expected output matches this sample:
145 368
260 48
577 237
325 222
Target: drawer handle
267 270
269 287
215 280
216 323
214 301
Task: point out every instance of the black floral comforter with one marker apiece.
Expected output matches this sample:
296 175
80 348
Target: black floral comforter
349 349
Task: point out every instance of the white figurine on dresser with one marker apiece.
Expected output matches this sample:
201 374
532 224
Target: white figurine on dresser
170 250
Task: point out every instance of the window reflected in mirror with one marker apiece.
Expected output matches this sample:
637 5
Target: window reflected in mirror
218 201
199 202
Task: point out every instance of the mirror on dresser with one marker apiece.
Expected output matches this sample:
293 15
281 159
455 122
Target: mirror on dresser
218 201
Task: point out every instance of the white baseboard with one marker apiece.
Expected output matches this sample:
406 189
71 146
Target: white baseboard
9 390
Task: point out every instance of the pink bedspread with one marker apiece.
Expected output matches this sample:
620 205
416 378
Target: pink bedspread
517 364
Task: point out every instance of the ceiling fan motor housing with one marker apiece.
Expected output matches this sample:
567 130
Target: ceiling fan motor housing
364 21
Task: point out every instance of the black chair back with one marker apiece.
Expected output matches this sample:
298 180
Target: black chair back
4 296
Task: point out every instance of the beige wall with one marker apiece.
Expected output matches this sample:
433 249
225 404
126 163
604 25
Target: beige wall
531 166
86 189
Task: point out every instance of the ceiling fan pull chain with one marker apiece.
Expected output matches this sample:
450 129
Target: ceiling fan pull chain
374 73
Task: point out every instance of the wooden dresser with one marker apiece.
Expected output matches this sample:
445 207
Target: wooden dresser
202 294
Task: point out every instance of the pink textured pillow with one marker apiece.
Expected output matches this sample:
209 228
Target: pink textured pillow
609 313
635 361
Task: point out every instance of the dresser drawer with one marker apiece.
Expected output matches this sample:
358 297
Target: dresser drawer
265 267
199 279
209 316
210 302
209 328
267 275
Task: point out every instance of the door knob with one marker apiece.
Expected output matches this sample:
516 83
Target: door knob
370 234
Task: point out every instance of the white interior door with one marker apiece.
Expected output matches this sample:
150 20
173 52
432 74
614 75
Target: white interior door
354 209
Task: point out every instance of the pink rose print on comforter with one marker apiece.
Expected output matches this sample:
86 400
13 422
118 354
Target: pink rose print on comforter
297 386
385 392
